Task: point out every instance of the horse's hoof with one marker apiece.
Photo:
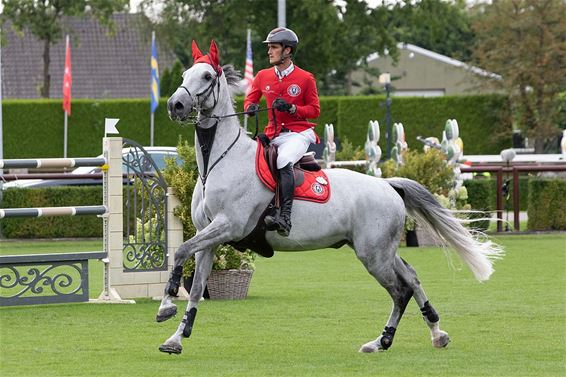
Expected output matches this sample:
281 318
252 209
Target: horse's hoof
370 347
441 341
166 313
171 348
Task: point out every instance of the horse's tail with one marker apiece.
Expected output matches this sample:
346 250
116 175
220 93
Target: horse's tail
445 227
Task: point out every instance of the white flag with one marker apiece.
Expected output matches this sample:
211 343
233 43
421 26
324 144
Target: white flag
110 126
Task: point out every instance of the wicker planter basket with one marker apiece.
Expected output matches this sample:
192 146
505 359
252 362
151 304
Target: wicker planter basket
229 284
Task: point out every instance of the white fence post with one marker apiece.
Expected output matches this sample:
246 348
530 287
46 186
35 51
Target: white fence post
113 220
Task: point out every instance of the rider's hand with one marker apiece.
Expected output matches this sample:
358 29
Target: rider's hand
252 109
281 105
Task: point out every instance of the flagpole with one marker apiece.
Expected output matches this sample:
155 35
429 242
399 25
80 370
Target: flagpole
151 129
65 138
66 115
1 128
152 110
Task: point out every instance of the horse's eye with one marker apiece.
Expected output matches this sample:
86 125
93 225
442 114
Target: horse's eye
208 76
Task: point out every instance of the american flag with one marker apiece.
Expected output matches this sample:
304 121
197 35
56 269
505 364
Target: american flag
67 79
249 71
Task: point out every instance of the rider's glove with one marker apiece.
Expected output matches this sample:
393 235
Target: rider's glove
252 109
281 105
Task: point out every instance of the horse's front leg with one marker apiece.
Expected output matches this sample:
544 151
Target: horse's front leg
216 233
204 261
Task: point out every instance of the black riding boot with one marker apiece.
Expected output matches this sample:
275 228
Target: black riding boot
282 220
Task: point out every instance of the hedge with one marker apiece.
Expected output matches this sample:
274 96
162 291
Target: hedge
51 227
480 119
482 193
547 207
34 128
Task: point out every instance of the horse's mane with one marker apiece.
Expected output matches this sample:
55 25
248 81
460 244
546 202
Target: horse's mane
233 77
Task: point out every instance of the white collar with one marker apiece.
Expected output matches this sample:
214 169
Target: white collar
284 73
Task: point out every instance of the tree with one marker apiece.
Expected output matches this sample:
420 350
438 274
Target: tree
524 41
360 33
437 25
43 19
332 39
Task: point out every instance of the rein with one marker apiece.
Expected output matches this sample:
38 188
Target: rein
255 113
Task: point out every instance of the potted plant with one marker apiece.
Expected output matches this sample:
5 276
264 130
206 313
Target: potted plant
232 270
231 274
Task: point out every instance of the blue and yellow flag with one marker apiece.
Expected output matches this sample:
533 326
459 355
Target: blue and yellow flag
154 75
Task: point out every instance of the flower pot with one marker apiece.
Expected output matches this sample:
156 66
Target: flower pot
425 239
411 238
229 284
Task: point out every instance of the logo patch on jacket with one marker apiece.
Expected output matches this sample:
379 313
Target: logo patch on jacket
293 90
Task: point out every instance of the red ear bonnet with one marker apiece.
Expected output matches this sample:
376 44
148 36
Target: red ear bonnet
196 52
211 58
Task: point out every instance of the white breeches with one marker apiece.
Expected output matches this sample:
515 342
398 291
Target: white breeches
291 146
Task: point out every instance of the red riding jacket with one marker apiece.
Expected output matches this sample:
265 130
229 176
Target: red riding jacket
297 88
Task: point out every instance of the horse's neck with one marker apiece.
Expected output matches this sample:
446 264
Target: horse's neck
227 131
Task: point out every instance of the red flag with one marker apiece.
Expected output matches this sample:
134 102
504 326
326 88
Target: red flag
67 79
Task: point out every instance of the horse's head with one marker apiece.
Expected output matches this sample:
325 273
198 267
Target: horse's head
200 89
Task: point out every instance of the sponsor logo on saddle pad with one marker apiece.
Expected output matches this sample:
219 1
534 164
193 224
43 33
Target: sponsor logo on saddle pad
317 188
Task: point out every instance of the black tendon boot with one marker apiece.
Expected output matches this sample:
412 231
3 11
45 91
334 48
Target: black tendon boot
282 220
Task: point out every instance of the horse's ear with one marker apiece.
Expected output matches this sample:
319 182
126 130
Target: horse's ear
196 51
214 54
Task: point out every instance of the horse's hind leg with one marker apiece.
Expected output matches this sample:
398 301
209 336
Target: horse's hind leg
203 267
401 282
439 338
400 293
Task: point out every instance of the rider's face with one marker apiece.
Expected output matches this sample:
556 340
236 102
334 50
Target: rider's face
274 51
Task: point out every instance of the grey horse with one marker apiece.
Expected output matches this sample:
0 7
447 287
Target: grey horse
364 212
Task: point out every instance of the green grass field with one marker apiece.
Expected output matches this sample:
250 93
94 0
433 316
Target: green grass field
306 315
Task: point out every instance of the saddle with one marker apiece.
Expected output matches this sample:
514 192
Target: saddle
311 184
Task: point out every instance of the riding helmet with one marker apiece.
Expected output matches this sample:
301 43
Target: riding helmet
286 37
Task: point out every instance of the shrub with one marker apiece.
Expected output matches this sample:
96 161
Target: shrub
481 195
51 227
547 207
349 152
429 169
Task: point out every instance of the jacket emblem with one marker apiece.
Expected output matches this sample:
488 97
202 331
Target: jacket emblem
293 90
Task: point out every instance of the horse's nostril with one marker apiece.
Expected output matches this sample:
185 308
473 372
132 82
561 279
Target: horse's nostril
178 106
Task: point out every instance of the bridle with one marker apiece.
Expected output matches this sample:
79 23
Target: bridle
206 93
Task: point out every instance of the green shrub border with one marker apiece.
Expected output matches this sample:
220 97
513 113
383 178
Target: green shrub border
34 128
547 207
52 227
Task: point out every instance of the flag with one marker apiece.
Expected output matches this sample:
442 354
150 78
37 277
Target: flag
249 70
154 75
67 79
110 126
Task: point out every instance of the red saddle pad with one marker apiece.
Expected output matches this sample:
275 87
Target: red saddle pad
314 188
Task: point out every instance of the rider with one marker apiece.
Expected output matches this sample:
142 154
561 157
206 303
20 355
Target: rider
292 92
